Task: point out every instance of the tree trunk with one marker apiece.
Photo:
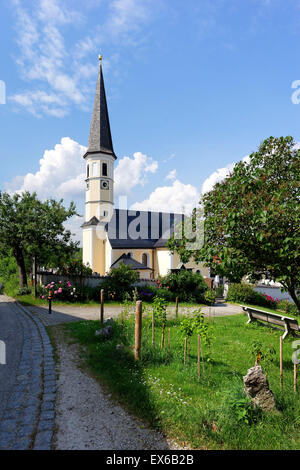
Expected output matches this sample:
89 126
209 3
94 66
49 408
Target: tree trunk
21 268
295 299
35 276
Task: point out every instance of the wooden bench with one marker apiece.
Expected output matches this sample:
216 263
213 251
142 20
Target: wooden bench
290 324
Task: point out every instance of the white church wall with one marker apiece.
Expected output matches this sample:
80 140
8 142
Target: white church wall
108 255
164 261
87 251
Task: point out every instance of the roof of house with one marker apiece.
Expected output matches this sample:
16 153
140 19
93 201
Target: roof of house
128 261
100 139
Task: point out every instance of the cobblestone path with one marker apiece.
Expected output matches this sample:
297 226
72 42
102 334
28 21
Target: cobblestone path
27 380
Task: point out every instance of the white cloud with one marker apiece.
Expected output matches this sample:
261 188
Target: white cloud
61 173
44 57
179 198
219 175
171 175
216 177
131 172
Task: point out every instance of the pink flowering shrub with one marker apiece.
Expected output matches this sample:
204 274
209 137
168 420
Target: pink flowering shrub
61 290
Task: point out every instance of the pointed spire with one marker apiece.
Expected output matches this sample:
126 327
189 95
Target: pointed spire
100 136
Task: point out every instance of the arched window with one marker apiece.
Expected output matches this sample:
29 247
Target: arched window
88 171
104 169
145 259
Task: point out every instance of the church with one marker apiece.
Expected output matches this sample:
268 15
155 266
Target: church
113 236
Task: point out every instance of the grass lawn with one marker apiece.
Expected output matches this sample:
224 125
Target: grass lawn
168 395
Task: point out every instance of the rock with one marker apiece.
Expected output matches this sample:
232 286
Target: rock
105 333
109 320
257 388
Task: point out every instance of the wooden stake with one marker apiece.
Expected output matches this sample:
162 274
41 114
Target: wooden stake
295 377
185 343
169 342
101 306
138 330
153 330
198 357
163 336
281 362
176 308
202 355
189 348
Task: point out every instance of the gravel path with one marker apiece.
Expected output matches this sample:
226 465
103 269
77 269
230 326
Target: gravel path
63 314
86 417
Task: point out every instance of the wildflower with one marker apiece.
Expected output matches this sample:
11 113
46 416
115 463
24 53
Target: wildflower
43 296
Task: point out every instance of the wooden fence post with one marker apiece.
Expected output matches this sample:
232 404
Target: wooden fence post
153 330
163 336
176 308
198 357
281 362
101 306
138 330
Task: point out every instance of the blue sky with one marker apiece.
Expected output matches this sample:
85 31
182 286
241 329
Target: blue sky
192 88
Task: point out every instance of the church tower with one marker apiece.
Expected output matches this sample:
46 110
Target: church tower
99 201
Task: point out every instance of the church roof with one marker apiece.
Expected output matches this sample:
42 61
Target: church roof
128 261
100 139
92 221
141 229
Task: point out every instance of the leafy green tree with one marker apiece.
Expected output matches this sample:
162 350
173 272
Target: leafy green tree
119 281
252 219
188 286
32 229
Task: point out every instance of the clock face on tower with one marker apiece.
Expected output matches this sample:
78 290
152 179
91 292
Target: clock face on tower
104 184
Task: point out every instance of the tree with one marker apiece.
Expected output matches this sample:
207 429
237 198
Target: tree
32 229
252 218
119 281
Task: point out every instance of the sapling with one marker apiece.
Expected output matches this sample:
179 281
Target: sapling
160 316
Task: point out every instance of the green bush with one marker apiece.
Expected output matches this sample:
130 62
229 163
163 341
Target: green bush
77 269
209 297
11 286
186 285
219 291
288 307
244 293
241 293
119 281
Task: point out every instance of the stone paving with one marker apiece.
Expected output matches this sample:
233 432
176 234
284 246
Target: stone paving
28 420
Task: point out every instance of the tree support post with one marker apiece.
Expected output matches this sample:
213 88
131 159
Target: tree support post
101 306
138 330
